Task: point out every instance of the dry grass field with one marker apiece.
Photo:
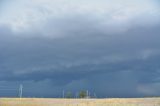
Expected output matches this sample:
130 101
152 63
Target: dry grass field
79 102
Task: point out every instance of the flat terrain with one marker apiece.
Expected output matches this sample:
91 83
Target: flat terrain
79 102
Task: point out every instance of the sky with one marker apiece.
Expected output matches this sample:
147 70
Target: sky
109 47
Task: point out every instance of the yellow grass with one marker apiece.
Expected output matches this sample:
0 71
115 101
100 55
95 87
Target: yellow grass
79 102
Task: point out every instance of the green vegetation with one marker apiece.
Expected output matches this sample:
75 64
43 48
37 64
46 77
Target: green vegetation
69 95
83 94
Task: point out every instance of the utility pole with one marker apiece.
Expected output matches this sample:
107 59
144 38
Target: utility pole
95 96
20 91
87 94
76 95
63 94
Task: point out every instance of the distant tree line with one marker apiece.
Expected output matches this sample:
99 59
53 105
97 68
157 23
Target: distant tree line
81 94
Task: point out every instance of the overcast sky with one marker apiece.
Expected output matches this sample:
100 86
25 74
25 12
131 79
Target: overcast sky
109 47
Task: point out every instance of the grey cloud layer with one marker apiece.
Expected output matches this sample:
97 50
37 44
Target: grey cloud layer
82 50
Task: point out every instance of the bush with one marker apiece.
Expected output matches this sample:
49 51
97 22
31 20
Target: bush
69 95
82 94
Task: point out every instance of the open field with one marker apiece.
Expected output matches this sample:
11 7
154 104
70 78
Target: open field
79 102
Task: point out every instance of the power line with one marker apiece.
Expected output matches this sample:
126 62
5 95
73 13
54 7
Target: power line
9 89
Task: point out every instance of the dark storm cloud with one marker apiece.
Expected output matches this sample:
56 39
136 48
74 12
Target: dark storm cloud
82 50
83 58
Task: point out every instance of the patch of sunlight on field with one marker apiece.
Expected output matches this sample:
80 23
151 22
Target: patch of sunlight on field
79 102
